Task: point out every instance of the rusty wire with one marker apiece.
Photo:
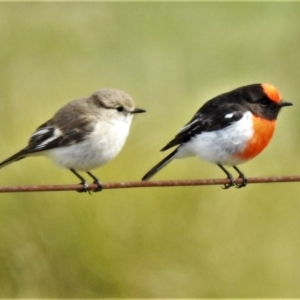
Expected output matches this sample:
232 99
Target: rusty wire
143 184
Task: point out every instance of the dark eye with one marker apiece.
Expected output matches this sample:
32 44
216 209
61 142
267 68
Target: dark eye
264 101
120 108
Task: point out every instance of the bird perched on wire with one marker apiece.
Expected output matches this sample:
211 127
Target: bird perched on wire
84 134
229 129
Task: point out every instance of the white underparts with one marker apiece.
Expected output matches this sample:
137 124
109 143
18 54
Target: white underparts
101 146
220 146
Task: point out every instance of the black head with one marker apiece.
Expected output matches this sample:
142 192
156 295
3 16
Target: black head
262 100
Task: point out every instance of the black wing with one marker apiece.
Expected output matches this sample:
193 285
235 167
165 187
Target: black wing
213 115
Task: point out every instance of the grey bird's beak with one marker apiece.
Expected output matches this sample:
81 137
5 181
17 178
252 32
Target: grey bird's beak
284 103
137 111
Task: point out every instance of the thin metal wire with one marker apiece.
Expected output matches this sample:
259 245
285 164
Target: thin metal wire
143 184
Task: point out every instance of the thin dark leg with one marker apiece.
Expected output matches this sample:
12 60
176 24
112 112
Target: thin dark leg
96 181
241 175
229 176
83 182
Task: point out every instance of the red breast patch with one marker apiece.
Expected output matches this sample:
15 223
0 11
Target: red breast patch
263 130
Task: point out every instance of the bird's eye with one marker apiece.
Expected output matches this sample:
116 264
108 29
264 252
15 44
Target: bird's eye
264 101
120 108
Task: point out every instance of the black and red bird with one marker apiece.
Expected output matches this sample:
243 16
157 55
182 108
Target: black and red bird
229 129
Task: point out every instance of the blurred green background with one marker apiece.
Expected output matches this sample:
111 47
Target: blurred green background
150 242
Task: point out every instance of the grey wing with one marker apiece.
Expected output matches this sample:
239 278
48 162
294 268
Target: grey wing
50 135
69 126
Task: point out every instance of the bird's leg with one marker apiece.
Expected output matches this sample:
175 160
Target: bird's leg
96 181
241 175
229 176
83 182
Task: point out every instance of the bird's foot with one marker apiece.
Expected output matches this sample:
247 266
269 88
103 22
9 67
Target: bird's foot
243 183
230 184
99 186
243 177
85 187
96 181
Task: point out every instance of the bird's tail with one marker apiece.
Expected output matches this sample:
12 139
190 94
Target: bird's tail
11 159
160 165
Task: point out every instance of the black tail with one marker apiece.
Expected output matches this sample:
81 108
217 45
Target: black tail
15 157
160 165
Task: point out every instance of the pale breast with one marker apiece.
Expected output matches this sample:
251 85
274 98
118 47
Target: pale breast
97 149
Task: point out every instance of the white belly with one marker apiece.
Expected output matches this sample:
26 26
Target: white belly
96 150
220 146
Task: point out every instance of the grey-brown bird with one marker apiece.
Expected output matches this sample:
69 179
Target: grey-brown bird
84 134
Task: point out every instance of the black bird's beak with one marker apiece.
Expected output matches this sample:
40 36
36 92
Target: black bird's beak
137 111
284 103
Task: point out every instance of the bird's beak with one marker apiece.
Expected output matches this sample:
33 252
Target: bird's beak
284 103
137 111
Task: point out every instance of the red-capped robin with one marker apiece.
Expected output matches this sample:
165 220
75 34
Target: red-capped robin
229 129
